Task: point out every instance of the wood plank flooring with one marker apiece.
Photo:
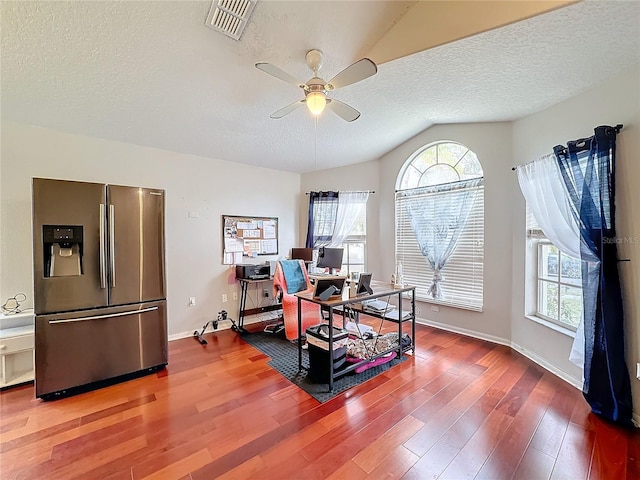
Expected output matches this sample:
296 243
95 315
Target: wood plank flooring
458 409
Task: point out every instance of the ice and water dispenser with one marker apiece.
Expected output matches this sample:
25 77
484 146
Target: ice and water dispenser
62 250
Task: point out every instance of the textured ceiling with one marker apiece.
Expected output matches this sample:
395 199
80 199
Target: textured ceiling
151 73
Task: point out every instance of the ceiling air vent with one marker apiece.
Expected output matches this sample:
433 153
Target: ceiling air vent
230 16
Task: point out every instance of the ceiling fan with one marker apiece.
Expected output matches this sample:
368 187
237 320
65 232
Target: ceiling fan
316 89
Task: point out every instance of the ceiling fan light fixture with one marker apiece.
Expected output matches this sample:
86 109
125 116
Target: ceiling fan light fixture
315 89
316 101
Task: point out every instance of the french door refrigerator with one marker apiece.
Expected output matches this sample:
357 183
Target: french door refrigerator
99 283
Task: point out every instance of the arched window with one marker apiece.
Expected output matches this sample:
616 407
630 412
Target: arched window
440 225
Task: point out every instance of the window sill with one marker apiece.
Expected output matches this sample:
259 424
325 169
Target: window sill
553 326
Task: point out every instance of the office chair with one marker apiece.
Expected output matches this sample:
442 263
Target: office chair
290 278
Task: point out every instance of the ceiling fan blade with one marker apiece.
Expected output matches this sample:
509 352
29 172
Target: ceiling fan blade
353 73
278 73
287 110
343 110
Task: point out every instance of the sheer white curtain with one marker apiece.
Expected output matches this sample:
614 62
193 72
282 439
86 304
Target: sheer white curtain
543 188
350 207
438 215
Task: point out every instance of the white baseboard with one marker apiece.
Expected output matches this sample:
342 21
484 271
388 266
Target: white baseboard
577 383
465 332
570 379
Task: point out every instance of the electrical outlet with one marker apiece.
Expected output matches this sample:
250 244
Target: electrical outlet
234 295
266 292
224 297
192 301
434 308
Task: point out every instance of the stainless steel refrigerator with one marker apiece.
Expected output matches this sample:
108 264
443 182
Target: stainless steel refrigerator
99 283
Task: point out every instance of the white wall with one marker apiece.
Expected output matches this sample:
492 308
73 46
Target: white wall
211 188
616 101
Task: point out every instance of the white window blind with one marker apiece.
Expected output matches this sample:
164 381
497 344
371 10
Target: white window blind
462 283
354 239
533 229
324 220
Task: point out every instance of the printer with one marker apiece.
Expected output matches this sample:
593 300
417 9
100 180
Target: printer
253 272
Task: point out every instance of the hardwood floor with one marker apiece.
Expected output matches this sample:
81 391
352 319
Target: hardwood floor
459 409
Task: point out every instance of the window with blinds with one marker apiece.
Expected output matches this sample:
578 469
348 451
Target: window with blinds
533 229
354 244
446 168
325 211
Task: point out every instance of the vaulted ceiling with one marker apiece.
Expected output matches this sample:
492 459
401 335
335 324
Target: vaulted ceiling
151 73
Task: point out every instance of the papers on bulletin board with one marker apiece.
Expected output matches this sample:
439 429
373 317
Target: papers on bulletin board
247 225
269 230
248 236
268 246
232 258
251 246
251 233
232 245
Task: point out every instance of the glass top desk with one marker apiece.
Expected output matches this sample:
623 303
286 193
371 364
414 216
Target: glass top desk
380 289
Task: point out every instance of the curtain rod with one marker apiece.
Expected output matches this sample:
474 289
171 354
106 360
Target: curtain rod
513 169
352 191
617 128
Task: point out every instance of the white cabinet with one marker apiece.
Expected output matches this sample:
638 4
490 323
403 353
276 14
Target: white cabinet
16 349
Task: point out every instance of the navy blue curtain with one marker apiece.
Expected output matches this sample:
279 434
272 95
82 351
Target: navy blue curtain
588 170
321 220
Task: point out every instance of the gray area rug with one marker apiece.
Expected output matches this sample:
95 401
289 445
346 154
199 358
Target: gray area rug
284 359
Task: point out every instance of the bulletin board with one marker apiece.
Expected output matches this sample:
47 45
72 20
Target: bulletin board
248 237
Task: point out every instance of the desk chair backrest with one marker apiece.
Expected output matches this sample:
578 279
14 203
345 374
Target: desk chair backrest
289 278
295 275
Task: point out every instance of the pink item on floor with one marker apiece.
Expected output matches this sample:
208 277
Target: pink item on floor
372 363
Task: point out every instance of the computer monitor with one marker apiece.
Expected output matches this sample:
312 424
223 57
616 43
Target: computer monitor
305 254
330 258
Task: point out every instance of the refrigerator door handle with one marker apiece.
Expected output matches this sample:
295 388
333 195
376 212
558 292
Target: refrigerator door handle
109 315
103 248
112 246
